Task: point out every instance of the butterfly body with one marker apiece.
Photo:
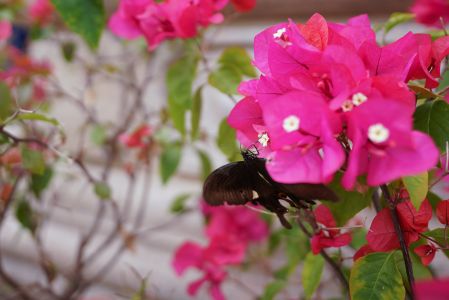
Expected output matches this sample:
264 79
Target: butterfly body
247 181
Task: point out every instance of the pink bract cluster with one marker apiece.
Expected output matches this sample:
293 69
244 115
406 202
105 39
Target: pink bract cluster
40 11
431 12
330 98
158 21
230 231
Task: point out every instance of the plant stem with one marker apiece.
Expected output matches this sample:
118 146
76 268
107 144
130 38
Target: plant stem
400 233
328 259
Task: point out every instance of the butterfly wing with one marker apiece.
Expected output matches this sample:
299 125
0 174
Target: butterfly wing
231 184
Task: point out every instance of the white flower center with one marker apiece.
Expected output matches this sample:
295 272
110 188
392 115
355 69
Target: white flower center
378 133
278 34
359 98
291 123
255 195
263 139
347 106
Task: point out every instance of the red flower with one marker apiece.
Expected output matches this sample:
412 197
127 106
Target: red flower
138 138
426 253
327 238
243 5
382 235
429 12
443 212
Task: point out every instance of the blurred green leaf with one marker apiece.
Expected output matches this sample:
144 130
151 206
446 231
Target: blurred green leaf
40 182
33 161
272 289
178 204
5 102
226 140
25 215
238 58
180 77
311 273
396 19
38 117
85 17
98 135
102 190
417 187
433 118
226 79
68 50
206 164
169 161
196 114
433 199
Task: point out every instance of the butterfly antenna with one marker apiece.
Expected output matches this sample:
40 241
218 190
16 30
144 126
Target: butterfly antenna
262 211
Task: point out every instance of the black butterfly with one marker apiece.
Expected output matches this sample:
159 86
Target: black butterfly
248 181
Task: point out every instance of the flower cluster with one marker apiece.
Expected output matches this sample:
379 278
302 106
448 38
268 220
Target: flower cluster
230 230
40 11
162 20
330 98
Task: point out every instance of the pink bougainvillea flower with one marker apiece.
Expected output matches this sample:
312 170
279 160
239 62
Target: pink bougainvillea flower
384 143
354 33
138 138
40 11
243 5
124 22
382 235
442 212
430 12
327 238
426 253
436 289
241 222
222 250
5 30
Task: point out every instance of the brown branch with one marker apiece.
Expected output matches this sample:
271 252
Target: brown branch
400 234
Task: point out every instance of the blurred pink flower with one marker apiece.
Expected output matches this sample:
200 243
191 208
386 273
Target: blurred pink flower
40 11
243 5
436 289
429 12
138 138
5 30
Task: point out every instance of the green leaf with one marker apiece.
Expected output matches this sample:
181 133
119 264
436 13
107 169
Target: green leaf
178 205
33 161
376 276
85 17
102 190
5 101
358 238
351 202
40 182
311 273
238 58
196 114
433 118
38 117
226 79
398 18
433 199
226 140
169 162
206 164
272 289
417 187
68 50
25 215
180 77
98 135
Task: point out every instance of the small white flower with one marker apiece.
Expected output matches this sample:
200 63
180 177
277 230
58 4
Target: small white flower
347 106
278 34
263 139
378 133
291 123
359 98
255 195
